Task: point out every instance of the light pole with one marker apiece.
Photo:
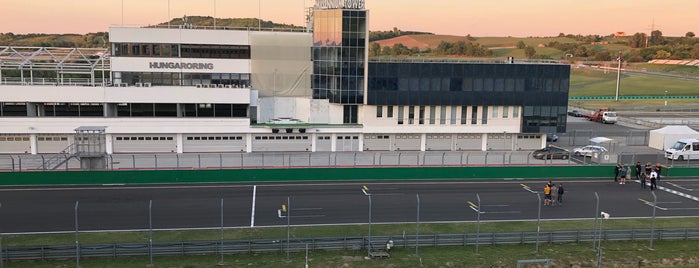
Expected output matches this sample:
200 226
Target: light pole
652 226
285 212
538 215
150 232
662 114
77 240
417 226
599 244
221 246
477 209
618 76
596 214
366 192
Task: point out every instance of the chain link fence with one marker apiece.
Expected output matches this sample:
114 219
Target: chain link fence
355 243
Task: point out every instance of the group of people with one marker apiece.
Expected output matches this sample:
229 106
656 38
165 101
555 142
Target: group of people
644 174
553 194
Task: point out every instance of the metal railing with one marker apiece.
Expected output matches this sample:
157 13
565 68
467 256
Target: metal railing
169 161
47 252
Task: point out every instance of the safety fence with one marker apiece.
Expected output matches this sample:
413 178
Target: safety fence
356 243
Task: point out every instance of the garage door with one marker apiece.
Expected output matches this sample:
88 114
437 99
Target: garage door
438 142
155 143
407 142
500 141
323 143
15 144
281 143
213 143
52 144
528 142
468 142
347 143
377 142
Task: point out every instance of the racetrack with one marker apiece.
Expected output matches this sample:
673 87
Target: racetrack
245 205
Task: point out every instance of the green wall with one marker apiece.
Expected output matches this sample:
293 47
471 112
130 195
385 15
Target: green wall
315 174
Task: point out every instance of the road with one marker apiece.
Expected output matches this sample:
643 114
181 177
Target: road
198 206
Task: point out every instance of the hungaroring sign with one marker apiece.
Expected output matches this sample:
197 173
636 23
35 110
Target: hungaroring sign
335 4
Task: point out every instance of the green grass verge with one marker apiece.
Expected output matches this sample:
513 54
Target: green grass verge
617 254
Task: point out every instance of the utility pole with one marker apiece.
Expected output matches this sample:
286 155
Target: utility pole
618 76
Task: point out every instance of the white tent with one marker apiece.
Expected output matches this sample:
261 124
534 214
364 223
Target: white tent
665 137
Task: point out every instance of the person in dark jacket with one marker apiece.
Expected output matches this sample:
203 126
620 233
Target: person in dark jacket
638 170
560 194
617 170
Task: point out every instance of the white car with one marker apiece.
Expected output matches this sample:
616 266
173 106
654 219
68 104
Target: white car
589 150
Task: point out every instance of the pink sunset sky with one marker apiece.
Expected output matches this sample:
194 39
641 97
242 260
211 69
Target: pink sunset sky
454 17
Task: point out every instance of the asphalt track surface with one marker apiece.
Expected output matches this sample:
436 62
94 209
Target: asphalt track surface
116 207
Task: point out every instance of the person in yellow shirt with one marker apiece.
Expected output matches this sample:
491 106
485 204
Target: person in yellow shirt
547 195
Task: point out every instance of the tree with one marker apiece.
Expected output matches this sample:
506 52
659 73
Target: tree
695 51
638 40
521 45
662 54
374 49
689 35
529 51
656 38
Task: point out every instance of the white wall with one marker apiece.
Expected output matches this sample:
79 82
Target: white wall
177 36
134 64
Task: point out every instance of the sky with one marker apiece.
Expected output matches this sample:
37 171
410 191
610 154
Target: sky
480 18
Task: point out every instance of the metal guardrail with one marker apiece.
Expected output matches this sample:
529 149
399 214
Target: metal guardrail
270 160
356 243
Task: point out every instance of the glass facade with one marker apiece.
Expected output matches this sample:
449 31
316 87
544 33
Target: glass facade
541 89
339 38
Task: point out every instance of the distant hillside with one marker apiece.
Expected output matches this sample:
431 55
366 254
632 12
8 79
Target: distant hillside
230 22
100 39
570 47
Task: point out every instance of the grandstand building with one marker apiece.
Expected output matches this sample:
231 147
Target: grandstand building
190 89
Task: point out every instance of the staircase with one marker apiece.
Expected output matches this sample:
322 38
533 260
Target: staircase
57 160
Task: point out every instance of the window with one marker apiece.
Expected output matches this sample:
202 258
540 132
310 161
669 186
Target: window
452 118
389 112
484 115
442 115
464 114
515 112
433 114
495 112
411 115
474 115
379 111
505 111
421 115
400 115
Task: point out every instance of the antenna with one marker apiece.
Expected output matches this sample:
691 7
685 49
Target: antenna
652 29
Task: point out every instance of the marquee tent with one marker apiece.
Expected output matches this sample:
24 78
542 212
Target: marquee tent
663 138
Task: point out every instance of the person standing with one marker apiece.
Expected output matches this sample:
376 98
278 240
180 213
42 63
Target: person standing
658 168
638 170
643 180
653 180
560 193
622 177
617 170
547 195
649 168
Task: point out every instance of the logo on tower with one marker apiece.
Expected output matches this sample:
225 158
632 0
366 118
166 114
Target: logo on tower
339 4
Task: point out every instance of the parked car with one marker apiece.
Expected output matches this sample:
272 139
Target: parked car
551 137
589 150
575 113
551 152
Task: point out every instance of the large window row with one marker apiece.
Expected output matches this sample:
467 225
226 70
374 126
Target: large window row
428 114
181 51
233 80
468 84
53 109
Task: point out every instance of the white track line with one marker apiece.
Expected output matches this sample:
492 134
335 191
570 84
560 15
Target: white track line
252 215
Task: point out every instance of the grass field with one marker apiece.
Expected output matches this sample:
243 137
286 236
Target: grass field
616 254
